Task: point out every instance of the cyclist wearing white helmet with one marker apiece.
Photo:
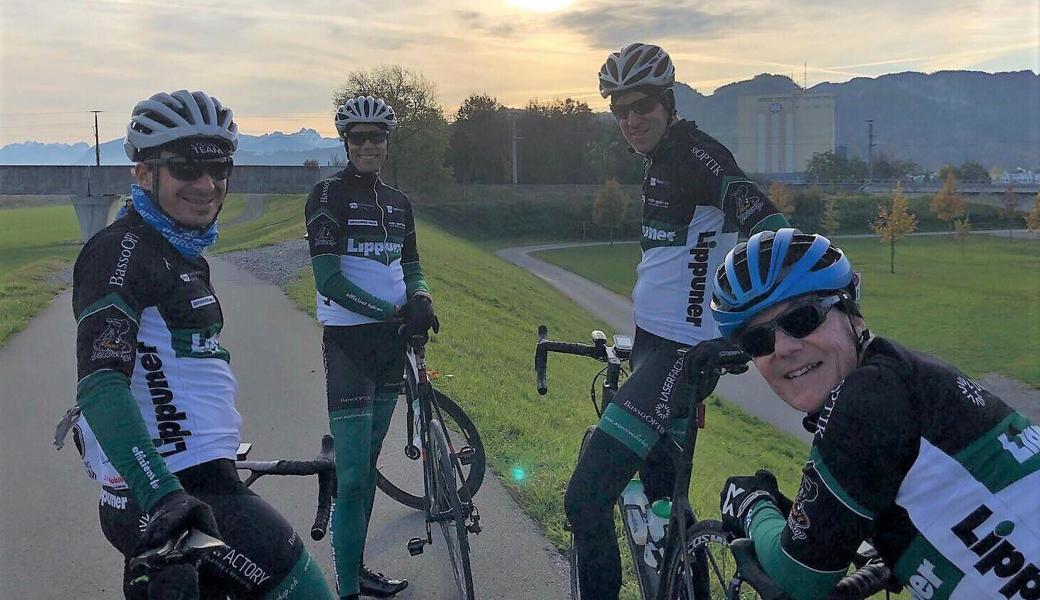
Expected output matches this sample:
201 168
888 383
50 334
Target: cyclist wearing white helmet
941 474
160 429
696 200
368 279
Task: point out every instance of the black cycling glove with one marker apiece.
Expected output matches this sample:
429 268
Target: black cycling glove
740 494
418 316
706 361
172 515
174 582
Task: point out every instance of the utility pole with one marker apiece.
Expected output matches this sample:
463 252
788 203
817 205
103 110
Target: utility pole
514 137
870 150
97 145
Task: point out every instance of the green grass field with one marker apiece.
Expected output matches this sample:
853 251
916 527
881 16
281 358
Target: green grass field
35 244
979 310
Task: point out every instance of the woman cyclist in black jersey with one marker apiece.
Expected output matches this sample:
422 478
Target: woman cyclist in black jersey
941 474
368 279
160 430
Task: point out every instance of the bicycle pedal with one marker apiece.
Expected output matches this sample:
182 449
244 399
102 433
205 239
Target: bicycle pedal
412 452
474 528
467 454
415 546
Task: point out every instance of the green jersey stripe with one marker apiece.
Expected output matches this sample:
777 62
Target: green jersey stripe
110 299
628 429
839 492
1004 454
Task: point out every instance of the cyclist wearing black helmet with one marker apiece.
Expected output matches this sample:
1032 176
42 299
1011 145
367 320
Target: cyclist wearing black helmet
696 200
941 474
368 279
160 429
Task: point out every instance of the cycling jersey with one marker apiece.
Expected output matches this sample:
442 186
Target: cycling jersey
155 385
695 201
361 234
939 472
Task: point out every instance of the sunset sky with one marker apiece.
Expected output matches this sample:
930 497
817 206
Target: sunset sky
277 63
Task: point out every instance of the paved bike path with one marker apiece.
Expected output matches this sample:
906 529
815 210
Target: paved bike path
51 544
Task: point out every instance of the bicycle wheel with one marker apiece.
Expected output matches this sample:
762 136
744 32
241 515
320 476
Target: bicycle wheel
461 431
449 508
572 555
707 549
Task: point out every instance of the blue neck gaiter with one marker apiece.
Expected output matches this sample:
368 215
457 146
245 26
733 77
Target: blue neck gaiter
189 242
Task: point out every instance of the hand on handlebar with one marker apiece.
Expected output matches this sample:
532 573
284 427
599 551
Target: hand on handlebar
417 316
706 361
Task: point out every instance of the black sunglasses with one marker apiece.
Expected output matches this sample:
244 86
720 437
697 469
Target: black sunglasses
641 107
797 322
186 169
360 137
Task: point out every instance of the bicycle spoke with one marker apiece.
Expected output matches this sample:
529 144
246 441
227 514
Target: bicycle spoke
453 517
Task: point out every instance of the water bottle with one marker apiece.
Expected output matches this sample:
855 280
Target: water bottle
416 441
636 506
657 527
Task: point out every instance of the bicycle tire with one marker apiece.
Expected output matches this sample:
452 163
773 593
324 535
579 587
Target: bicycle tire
456 421
572 554
446 500
707 542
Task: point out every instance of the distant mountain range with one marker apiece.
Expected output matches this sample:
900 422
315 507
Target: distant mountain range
935 119
268 149
946 117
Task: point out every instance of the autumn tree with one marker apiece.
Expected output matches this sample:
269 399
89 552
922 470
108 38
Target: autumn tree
417 147
1033 218
782 198
608 210
961 230
1009 210
830 222
948 204
894 222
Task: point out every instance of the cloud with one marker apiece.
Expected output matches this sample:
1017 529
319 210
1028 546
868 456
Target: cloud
615 24
477 22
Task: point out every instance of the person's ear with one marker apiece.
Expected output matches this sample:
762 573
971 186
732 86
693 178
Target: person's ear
143 173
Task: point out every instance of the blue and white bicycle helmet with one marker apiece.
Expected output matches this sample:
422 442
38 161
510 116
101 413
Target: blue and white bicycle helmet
364 109
771 268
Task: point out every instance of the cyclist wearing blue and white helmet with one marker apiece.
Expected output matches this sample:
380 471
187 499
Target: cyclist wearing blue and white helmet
696 201
368 278
941 474
160 429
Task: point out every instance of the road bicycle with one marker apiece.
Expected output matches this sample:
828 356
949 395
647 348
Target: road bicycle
734 572
452 464
682 573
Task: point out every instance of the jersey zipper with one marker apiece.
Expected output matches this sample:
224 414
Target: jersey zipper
382 213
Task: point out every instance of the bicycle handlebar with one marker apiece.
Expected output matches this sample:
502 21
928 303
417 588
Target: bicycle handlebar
324 466
545 346
871 578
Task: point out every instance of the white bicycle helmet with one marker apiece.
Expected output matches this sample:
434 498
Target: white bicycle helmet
636 65
164 118
364 109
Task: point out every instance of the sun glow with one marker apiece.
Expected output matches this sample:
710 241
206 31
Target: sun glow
540 5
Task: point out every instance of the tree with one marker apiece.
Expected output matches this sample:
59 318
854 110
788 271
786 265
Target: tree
782 199
310 163
828 167
557 142
417 148
961 230
1033 218
973 171
831 220
947 203
1009 209
894 222
609 208
479 145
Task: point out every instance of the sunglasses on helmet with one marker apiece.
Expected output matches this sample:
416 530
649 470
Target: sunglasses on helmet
360 137
187 169
641 107
797 322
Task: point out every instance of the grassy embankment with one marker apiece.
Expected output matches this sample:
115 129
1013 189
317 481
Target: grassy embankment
978 310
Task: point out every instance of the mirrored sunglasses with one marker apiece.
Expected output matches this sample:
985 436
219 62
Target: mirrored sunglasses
358 138
186 169
797 322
